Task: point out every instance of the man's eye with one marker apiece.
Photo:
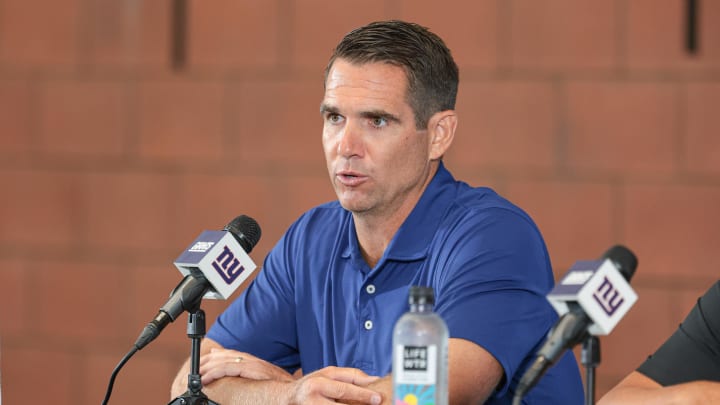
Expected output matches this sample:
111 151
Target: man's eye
333 118
378 122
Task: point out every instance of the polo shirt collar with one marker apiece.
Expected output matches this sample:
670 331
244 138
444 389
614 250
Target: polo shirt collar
412 240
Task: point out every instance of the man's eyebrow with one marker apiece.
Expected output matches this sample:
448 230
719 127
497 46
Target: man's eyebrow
380 114
325 108
329 109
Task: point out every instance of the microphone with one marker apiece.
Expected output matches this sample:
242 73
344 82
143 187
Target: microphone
591 299
214 266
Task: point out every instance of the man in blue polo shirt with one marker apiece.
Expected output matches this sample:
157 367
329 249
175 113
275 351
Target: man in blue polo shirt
316 325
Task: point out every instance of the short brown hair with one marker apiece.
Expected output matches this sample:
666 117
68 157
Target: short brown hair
430 69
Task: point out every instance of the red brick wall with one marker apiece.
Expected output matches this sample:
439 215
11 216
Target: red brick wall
589 114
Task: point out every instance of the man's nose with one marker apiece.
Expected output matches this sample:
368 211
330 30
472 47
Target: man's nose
351 142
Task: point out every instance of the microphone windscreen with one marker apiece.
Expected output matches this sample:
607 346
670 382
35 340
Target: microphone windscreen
624 259
245 230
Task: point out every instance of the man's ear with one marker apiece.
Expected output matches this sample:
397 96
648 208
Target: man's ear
441 130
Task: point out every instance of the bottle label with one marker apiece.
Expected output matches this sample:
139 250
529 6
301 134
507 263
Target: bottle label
416 378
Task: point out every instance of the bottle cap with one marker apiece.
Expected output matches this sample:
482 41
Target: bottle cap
421 295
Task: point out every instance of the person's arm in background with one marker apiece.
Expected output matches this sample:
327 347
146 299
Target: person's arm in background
636 388
684 370
238 378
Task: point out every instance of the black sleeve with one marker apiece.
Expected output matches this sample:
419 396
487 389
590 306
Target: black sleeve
693 351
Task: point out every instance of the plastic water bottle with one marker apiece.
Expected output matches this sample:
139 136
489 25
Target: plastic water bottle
420 347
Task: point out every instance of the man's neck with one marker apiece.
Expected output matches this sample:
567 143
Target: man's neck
374 235
376 230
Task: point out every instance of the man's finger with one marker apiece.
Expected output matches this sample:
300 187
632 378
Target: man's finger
350 375
349 392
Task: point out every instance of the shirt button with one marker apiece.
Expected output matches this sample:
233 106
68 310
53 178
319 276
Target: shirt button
370 289
368 325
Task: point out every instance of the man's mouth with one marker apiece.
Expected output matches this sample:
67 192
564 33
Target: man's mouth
351 178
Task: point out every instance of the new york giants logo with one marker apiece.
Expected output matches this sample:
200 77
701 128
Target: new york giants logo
227 265
608 297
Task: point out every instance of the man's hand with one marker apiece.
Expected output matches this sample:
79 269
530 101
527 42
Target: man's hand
382 385
335 384
221 363
230 376
325 386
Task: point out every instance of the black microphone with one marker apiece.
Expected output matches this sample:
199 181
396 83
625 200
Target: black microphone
214 265
591 299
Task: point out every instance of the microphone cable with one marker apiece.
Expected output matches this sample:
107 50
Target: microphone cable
115 372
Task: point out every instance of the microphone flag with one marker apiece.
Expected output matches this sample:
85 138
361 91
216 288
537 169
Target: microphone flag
218 256
600 289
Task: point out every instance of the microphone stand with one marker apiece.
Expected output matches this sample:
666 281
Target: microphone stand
194 394
590 358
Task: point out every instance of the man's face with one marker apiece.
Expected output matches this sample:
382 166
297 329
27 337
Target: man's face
378 161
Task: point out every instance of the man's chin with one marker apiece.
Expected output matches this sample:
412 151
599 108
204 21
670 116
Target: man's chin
354 206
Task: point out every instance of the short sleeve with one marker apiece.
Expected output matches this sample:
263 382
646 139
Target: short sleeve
692 353
495 294
261 320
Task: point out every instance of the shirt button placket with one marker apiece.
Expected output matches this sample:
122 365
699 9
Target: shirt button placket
370 289
367 315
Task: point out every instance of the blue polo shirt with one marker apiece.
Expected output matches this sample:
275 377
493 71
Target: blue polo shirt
316 303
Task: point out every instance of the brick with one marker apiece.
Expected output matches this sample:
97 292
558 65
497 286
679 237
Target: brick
603 382
83 118
231 34
14 295
26 216
701 128
471 35
562 34
688 297
303 193
474 177
181 120
575 218
505 125
672 230
278 124
649 322
213 308
656 35
94 291
622 127
312 44
39 34
128 34
146 378
15 109
129 211
209 202
152 285
22 367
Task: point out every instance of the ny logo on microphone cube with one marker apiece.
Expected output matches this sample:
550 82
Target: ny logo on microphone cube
227 265
600 290
221 260
608 297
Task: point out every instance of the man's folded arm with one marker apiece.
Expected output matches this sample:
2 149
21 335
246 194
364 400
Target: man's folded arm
240 378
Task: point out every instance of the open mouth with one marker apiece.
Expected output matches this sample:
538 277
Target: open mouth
351 178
